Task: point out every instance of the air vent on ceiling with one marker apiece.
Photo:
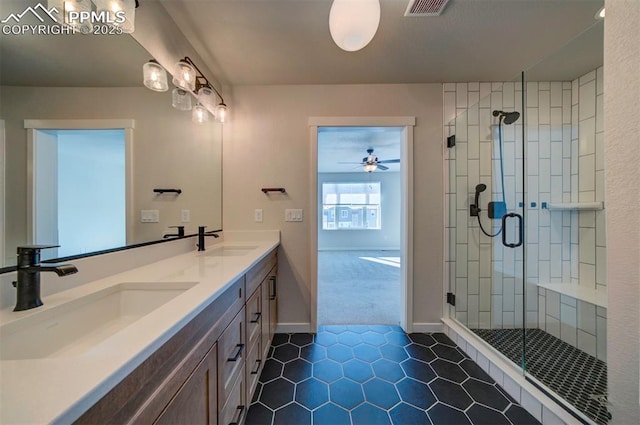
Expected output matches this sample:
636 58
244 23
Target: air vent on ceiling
425 7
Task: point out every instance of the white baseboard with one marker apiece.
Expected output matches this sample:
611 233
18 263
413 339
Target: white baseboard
290 328
428 327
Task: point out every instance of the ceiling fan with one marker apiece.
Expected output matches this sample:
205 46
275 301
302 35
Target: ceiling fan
370 163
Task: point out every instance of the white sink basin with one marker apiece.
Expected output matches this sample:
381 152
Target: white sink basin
77 326
230 251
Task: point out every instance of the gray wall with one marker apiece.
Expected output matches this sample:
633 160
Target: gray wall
388 237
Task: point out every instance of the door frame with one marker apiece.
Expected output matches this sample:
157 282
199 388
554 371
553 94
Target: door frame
406 215
32 126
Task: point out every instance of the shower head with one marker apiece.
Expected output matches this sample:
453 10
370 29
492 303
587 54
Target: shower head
507 117
481 187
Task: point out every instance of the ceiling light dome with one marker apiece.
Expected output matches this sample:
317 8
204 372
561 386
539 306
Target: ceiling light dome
353 23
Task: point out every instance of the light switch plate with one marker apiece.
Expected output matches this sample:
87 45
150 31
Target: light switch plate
149 216
186 216
293 215
257 215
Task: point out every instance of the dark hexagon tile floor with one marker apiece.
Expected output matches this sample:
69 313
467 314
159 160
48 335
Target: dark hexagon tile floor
367 375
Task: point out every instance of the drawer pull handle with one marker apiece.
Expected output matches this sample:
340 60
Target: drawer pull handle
257 319
240 409
272 289
255 372
237 356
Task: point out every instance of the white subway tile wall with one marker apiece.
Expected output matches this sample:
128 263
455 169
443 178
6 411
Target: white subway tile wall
564 163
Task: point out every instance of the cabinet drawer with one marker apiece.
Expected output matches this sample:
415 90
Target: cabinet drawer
260 271
234 411
231 356
254 318
253 368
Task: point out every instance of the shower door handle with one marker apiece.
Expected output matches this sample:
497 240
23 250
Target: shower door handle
504 230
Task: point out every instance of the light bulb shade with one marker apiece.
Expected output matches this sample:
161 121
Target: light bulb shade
154 76
221 112
119 13
184 76
200 114
207 98
370 168
181 99
74 13
353 23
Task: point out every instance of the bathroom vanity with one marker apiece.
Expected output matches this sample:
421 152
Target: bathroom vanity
180 340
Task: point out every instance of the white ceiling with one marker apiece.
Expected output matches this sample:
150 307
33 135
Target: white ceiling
288 41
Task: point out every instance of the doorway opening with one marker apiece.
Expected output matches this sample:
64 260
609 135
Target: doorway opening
371 212
79 188
359 231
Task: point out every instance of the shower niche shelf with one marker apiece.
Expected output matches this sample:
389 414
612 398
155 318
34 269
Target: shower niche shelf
577 206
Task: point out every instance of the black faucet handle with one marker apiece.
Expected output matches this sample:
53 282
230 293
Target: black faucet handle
180 230
34 248
29 255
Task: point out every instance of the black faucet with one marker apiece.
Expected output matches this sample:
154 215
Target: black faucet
29 268
179 234
201 236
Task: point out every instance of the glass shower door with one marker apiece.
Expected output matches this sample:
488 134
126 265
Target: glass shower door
485 219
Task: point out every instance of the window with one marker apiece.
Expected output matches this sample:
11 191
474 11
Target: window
351 206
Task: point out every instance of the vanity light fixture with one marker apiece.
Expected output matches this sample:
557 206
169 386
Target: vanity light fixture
184 76
181 99
202 89
221 112
79 14
189 82
121 13
199 114
155 77
353 23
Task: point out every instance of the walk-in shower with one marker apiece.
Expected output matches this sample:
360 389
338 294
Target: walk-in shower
526 242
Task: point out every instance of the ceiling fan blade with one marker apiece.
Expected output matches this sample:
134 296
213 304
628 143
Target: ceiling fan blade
342 162
382 167
389 161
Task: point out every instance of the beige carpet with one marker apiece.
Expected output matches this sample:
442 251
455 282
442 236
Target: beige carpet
358 287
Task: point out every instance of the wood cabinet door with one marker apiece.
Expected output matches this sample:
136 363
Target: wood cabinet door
266 318
196 401
231 356
273 302
254 318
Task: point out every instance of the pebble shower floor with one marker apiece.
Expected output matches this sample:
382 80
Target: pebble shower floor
366 375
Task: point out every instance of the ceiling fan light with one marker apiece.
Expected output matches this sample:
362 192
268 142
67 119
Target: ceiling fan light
154 76
370 168
354 23
184 76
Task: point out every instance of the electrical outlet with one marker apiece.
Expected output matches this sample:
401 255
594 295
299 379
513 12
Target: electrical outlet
185 216
293 215
149 216
257 215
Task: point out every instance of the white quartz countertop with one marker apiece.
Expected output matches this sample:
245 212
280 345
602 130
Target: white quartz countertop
58 389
